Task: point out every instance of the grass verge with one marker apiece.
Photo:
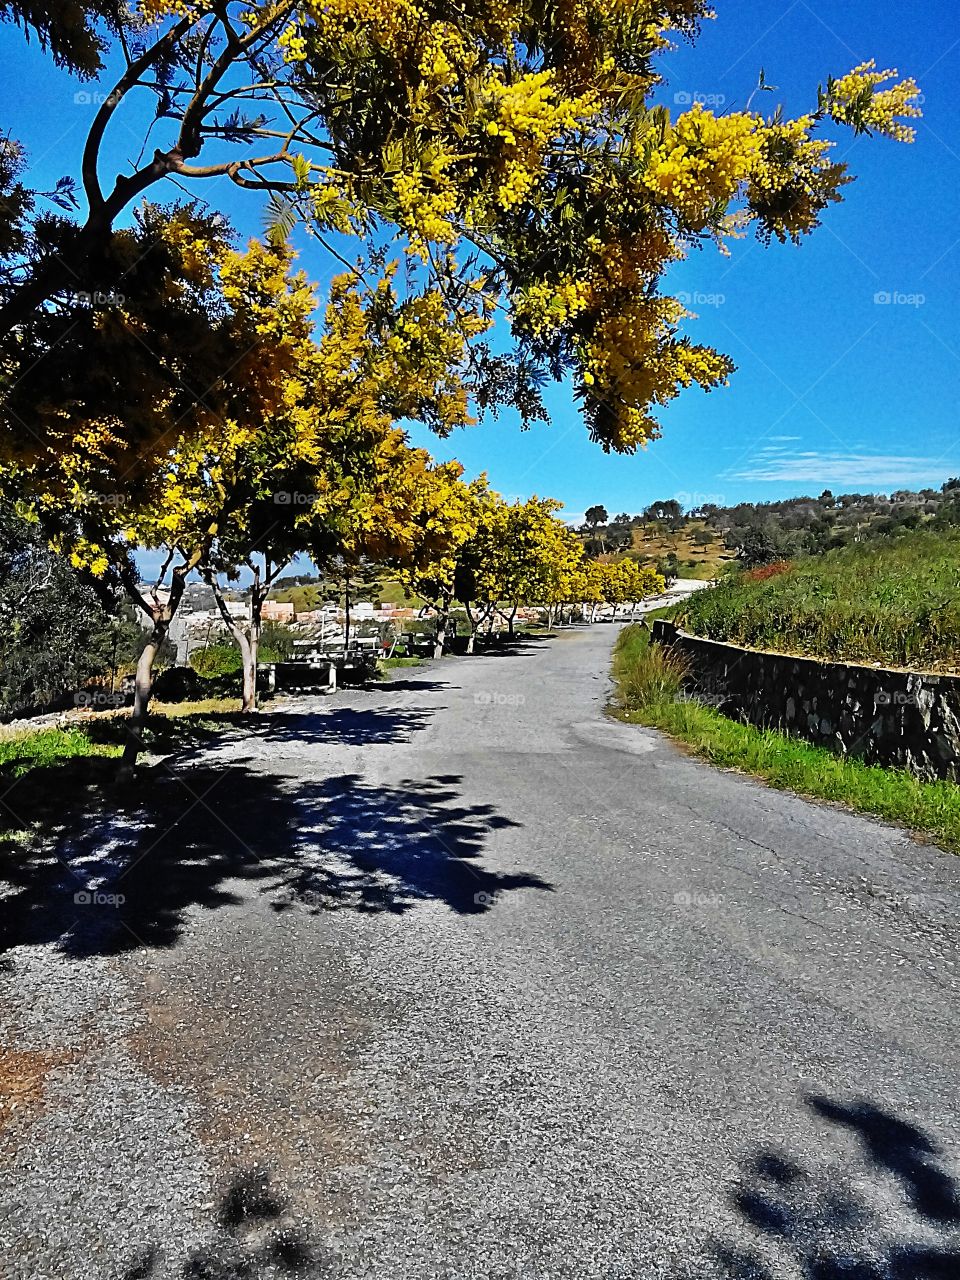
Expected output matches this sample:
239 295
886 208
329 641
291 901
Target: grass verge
26 749
645 694
32 750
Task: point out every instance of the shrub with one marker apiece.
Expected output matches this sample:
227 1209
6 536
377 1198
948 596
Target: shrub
646 674
765 571
221 659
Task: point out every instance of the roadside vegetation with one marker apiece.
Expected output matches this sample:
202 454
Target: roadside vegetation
893 601
648 691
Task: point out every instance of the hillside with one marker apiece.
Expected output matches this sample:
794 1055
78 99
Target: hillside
698 550
683 547
704 535
893 601
309 595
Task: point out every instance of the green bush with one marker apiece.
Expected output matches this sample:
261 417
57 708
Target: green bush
213 660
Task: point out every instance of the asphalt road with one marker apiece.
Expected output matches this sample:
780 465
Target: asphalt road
458 979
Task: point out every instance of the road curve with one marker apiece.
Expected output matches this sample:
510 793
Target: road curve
459 978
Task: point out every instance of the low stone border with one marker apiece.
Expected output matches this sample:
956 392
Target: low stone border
905 719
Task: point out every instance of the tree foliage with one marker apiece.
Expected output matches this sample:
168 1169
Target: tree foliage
55 633
513 149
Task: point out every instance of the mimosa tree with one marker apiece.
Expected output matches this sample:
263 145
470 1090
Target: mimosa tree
308 417
446 517
512 148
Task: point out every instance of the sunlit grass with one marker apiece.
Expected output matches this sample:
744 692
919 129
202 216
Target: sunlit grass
928 808
22 752
893 601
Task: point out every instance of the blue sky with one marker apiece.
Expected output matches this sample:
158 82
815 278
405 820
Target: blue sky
836 387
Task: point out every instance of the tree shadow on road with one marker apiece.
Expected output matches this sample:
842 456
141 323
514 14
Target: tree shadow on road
205 838
344 726
257 1235
891 1214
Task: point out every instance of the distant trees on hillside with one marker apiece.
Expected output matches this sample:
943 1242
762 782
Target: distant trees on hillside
762 532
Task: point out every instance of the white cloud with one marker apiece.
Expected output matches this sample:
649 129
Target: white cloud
853 469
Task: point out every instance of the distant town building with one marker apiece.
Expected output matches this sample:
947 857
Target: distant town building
277 611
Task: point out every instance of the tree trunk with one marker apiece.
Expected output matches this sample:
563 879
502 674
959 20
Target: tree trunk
474 627
162 617
346 618
440 638
251 650
510 622
248 638
593 613
248 657
143 688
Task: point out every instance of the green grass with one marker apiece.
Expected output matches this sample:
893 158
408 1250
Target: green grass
931 809
645 674
22 752
170 724
893 601
390 664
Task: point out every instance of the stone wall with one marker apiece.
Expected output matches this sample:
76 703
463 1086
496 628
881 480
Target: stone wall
906 719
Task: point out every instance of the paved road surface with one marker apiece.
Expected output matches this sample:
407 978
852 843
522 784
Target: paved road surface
460 979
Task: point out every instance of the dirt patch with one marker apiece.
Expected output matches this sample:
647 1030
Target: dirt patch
23 1074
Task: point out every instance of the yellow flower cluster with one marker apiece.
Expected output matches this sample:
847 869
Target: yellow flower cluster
633 360
383 22
445 57
545 306
292 44
792 180
155 10
426 200
196 254
526 115
702 161
855 99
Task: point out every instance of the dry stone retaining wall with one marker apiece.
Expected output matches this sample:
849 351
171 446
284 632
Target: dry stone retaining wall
905 719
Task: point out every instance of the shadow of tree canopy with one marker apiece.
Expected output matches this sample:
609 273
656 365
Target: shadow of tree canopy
818 1225
257 1237
348 726
200 838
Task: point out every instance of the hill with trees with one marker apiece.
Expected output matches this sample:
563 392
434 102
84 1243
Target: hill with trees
698 541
